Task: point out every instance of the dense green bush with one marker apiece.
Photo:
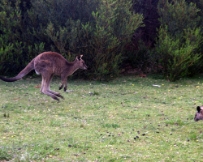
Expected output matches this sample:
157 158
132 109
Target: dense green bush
112 28
17 43
175 56
179 39
59 23
31 27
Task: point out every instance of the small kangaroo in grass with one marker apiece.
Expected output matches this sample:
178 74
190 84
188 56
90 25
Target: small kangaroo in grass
49 64
199 113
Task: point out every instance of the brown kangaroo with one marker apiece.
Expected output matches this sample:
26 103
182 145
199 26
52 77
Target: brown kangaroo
199 113
49 64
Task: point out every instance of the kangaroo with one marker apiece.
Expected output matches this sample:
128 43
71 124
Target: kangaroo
199 113
48 64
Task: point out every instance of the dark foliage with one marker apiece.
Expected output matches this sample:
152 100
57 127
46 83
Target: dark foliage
179 39
147 33
111 34
137 53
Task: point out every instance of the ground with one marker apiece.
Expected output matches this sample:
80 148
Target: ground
127 119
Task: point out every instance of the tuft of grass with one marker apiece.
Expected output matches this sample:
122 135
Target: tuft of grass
4 155
127 119
175 122
94 93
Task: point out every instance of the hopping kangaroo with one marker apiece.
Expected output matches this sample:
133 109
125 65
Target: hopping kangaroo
49 64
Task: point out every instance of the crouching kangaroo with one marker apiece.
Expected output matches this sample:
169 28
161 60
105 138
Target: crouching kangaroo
49 64
199 113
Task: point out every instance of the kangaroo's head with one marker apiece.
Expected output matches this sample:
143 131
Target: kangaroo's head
199 113
80 62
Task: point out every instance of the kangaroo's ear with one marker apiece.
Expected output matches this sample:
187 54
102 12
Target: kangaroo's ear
79 57
198 109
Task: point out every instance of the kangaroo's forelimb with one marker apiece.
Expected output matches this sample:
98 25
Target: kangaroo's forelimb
63 83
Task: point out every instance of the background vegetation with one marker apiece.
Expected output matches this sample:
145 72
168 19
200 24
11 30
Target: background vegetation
152 35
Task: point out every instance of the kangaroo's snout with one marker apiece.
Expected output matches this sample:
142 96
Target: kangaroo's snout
85 67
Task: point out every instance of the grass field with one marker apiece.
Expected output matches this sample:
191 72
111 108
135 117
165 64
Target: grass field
127 119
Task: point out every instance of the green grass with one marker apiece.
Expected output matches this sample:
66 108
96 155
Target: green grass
127 119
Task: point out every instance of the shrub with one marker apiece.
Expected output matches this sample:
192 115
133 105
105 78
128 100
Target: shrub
178 42
113 26
16 38
176 56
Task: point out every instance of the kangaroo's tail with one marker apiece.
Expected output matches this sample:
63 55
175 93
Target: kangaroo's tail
24 72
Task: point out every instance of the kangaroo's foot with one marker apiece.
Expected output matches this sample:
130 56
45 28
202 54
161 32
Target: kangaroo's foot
53 95
63 86
60 87
56 94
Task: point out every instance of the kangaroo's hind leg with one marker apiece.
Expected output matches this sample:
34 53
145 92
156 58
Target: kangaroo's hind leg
55 93
45 87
